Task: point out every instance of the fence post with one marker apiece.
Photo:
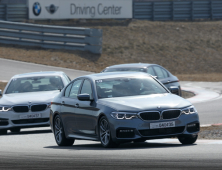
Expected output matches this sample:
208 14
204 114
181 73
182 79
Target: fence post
6 12
173 10
211 10
192 10
153 11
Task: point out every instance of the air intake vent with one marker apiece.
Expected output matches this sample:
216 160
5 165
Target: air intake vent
3 122
171 114
162 131
30 121
150 115
21 109
38 108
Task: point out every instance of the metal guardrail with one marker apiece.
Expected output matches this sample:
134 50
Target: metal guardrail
178 10
56 37
16 12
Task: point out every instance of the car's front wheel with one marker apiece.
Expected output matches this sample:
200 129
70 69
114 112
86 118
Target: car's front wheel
187 139
59 133
105 135
3 132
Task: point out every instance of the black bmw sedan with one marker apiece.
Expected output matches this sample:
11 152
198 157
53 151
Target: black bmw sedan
121 107
162 74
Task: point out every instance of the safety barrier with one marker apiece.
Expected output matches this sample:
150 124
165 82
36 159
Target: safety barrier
56 37
16 12
178 10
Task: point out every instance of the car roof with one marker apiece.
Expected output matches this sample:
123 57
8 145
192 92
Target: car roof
136 65
107 75
41 73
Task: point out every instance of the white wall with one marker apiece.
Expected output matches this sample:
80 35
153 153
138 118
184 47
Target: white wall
87 9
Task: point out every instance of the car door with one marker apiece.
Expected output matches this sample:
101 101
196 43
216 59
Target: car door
87 113
68 106
162 75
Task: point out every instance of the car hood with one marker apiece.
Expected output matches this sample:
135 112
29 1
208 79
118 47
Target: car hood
145 103
25 98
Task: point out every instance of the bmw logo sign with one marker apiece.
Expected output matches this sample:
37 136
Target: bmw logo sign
36 9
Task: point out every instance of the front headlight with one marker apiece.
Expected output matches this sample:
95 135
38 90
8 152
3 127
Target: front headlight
123 115
5 108
189 110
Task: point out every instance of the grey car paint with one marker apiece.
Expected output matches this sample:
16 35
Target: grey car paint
168 81
80 118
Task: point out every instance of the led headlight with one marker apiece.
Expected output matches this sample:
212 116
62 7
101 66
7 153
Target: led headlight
189 110
123 115
5 108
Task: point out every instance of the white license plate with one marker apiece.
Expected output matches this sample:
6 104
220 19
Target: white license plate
162 125
31 116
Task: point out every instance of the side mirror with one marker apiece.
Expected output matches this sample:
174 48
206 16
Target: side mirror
155 77
174 90
84 97
0 92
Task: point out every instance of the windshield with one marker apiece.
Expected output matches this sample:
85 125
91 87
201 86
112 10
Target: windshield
35 84
125 69
131 86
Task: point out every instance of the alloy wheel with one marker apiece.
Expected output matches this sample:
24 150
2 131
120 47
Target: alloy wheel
104 132
58 130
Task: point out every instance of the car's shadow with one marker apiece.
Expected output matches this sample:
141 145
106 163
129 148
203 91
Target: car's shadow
28 132
144 145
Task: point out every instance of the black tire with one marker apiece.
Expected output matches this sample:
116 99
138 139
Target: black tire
3 132
105 134
59 133
15 130
187 139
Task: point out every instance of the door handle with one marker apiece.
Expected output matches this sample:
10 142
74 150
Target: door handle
63 102
77 105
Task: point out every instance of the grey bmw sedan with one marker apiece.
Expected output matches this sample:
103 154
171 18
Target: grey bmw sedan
120 107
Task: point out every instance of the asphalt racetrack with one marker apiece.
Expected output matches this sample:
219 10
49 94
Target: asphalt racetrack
36 149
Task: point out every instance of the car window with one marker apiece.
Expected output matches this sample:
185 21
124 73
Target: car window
68 90
75 89
165 73
159 72
125 69
35 84
87 88
128 86
150 71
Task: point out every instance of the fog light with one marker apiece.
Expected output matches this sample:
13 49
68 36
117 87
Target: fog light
125 133
191 125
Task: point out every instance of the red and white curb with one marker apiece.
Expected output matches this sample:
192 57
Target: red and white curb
176 141
201 94
4 81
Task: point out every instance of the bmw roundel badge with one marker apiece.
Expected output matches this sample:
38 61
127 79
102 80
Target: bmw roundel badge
36 9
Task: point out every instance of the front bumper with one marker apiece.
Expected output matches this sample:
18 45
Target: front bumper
130 130
11 119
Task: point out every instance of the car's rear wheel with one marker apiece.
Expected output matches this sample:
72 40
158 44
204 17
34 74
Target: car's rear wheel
3 132
105 134
59 133
187 139
15 130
